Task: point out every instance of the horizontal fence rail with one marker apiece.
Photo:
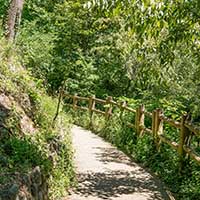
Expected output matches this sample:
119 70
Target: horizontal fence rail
186 129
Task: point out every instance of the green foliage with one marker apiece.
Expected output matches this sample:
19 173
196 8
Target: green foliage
140 49
3 9
63 175
146 50
36 47
62 171
23 154
20 151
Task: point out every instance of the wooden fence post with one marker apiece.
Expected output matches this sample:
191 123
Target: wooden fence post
157 126
154 123
75 101
184 136
109 108
139 120
91 107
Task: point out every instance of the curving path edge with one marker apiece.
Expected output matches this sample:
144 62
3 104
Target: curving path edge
103 172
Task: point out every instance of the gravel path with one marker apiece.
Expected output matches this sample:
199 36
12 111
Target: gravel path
106 173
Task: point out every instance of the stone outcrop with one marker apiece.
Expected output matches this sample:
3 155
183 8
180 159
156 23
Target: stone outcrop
27 187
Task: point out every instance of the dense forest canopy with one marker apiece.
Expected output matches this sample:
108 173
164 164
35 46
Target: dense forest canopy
142 49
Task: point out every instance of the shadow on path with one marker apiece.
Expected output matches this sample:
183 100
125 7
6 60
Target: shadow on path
111 154
114 184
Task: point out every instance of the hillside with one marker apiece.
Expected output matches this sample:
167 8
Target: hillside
35 159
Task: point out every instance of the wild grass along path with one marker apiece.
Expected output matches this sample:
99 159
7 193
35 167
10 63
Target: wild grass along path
106 173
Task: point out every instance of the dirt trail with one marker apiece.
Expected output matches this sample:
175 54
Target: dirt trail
106 173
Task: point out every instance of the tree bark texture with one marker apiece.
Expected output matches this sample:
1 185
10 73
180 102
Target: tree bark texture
14 18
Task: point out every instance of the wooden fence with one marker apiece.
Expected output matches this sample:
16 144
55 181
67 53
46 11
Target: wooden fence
186 129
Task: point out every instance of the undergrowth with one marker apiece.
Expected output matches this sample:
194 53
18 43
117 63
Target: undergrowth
48 147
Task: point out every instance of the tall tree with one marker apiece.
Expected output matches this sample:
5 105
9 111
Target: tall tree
14 18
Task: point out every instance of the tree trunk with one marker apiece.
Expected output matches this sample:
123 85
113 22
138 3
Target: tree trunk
61 93
14 18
